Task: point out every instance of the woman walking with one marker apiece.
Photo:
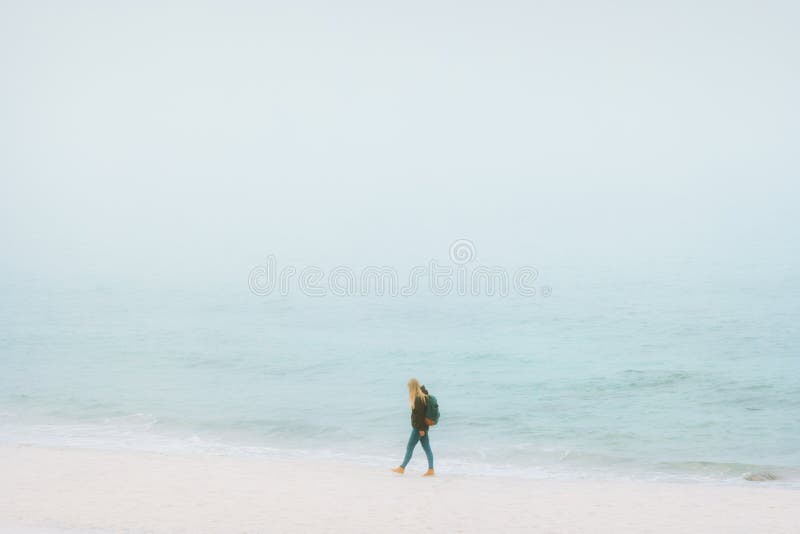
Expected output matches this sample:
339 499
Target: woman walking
418 400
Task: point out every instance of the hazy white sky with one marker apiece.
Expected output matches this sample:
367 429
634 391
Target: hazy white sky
165 137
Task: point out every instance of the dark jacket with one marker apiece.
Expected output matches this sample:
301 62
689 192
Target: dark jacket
418 413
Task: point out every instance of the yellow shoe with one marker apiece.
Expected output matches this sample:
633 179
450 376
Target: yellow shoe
429 473
399 470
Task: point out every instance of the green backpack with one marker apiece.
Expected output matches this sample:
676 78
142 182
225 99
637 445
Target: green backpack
431 411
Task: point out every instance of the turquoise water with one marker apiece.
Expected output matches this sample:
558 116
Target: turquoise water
651 377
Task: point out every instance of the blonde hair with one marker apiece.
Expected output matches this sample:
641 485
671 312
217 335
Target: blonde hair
415 391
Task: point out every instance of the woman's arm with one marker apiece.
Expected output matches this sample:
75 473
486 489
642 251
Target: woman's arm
418 415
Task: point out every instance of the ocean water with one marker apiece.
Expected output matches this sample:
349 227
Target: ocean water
658 377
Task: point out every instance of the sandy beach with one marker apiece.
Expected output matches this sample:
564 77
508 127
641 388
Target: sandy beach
77 490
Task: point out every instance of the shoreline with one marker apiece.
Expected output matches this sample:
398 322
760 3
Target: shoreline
609 468
88 490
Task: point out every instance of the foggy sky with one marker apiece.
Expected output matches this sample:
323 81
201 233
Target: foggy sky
156 139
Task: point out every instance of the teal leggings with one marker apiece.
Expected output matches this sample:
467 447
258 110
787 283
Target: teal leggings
412 442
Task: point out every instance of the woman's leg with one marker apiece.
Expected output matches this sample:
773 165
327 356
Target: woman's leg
412 442
426 446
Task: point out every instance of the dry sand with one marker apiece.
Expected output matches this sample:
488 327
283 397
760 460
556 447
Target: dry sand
47 490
